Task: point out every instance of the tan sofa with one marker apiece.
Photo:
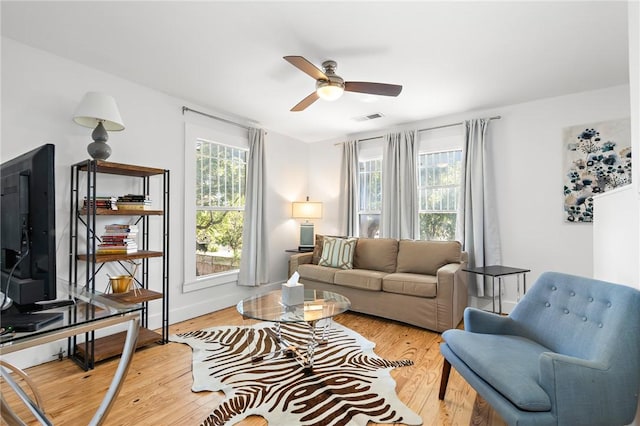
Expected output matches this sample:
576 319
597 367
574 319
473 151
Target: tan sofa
415 282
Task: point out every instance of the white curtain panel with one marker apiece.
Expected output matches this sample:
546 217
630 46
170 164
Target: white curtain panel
477 219
254 263
349 204
399 217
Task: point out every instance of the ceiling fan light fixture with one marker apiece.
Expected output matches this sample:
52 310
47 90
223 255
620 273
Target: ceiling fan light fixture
328 91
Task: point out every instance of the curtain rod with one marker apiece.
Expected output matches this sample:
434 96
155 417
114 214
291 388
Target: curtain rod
184 109
497 117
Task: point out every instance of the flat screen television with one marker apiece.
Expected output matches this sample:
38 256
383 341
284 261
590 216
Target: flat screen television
27 238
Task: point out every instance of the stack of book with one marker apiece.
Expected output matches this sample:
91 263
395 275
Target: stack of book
118 239
134 202
101 203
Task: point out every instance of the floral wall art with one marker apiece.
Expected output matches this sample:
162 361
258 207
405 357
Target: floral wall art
597 159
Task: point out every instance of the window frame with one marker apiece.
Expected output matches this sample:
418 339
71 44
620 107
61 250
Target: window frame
229 136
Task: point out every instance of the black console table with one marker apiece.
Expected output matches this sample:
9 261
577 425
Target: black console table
499 271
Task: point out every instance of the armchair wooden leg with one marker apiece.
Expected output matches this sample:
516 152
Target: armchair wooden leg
444 380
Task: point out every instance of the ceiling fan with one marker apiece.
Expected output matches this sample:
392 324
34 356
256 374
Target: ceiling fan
330 86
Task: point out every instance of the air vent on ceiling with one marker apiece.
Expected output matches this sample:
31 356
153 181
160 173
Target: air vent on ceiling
369 117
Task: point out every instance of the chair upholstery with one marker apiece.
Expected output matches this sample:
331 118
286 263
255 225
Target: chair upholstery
568 354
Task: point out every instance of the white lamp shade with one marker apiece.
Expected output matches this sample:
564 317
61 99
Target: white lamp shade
306 210
98 107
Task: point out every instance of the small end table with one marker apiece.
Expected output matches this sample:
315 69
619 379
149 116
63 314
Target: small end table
499 271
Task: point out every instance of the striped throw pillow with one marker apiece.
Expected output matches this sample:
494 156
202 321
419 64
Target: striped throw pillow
338 252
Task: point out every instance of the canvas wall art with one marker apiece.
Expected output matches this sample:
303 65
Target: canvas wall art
597 159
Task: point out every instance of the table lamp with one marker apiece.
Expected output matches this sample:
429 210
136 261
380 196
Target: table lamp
99 112
306 210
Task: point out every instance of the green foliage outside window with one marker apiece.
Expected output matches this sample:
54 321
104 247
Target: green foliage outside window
438 226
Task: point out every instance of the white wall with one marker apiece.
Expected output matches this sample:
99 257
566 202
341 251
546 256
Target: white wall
40 93
527 153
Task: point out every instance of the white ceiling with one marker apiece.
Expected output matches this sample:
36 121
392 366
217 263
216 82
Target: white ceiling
451 57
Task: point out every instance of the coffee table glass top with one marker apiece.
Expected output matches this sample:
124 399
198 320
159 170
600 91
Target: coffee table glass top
317 305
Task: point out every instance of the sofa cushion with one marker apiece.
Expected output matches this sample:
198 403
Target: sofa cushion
410 284
376 254
426 257
338 252
360 278
317 249
508 363
316 272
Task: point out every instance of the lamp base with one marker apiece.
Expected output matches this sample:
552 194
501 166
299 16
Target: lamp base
306 235
99 150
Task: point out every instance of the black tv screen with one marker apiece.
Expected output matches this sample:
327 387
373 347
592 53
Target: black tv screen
27 238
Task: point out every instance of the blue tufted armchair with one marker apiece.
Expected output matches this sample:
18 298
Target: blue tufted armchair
568 354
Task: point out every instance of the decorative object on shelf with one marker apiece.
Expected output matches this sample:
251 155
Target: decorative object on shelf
124 283
99 112
120 283
597 158
306 210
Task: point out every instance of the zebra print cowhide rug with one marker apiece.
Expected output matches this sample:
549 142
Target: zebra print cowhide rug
348 385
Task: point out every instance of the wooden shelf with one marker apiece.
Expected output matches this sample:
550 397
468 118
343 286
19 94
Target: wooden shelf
121 169
123 212
140 254
143 295
110 346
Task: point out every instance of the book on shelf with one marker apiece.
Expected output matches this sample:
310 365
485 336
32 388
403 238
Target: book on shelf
134 202
101 202
134 197
121 228
133 206
118 239
116 250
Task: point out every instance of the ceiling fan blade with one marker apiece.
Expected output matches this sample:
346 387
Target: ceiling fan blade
303 104
373 88
306 66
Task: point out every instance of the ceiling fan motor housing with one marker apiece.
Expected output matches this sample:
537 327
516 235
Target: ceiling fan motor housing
333 79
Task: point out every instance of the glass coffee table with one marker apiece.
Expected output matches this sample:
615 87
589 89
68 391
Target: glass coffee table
318 305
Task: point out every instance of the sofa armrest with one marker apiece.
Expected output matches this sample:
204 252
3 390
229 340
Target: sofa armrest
451 295
299 259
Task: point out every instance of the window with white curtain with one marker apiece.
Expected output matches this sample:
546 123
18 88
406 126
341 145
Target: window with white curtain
215 176
370 195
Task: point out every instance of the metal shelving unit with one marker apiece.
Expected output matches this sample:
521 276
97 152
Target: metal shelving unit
92 350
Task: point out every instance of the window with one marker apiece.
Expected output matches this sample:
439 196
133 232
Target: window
220 182
214 194
439 190
370 187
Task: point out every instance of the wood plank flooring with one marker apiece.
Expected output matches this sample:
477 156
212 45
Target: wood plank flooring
157 389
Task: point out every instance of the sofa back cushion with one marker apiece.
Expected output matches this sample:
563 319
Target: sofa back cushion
376 254
426 257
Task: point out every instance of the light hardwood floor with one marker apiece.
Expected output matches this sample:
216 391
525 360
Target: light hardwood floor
157 388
